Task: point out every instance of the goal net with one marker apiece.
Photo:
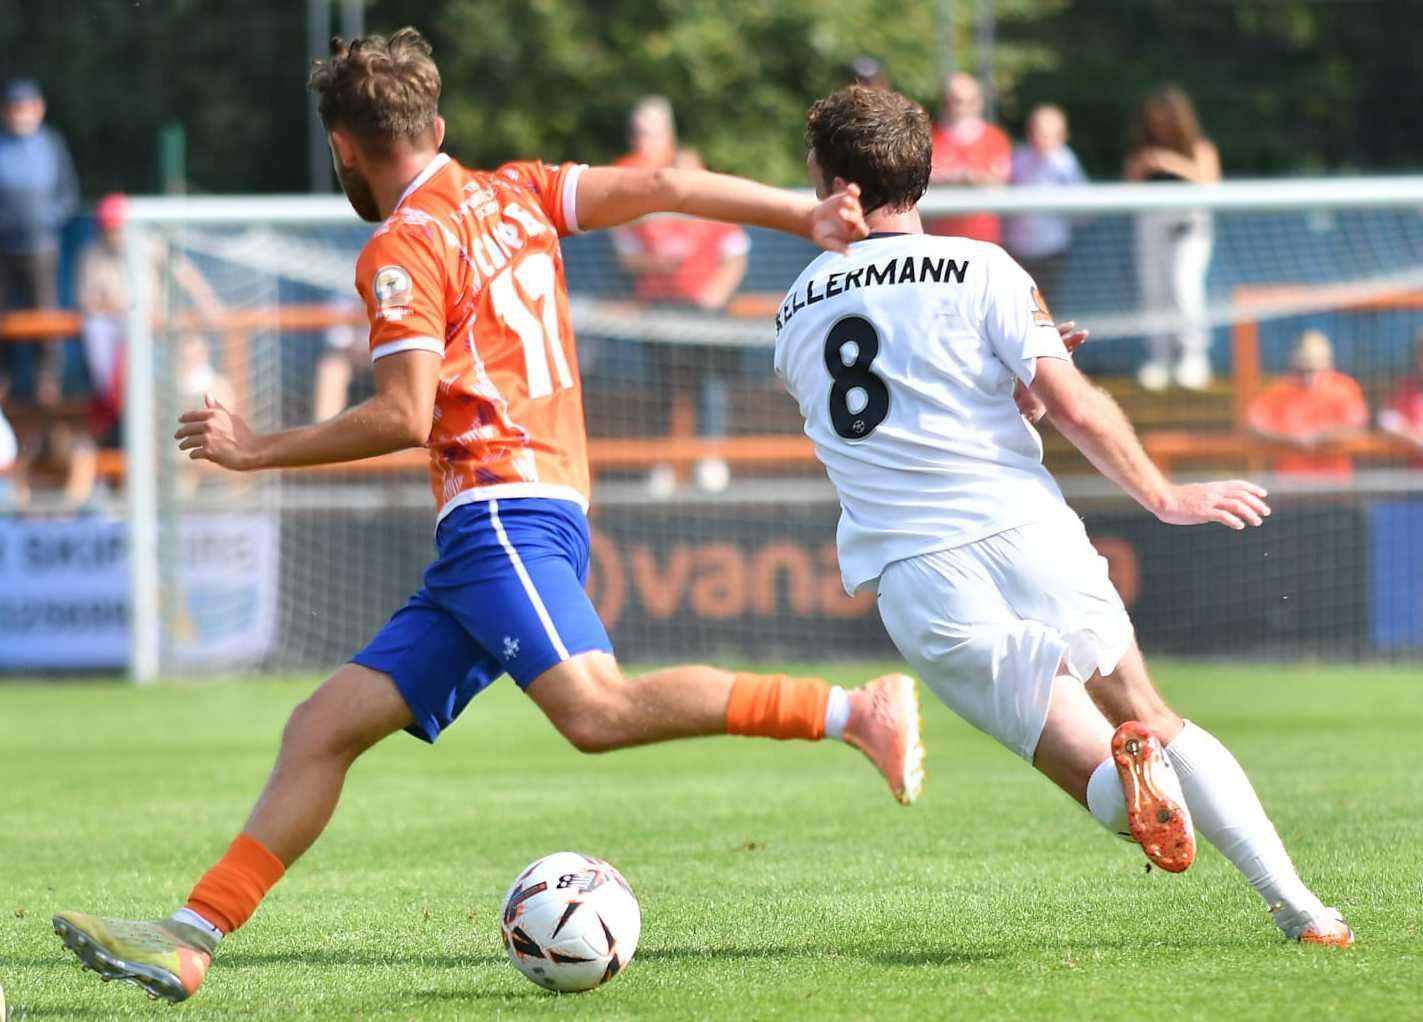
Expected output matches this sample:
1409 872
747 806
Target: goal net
713 524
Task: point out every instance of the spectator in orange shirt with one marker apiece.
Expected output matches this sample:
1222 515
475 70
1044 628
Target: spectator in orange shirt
1311 407
969 151
1402 414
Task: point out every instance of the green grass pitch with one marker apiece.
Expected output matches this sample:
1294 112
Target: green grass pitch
776 880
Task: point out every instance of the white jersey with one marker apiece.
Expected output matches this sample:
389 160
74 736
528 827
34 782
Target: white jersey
902 356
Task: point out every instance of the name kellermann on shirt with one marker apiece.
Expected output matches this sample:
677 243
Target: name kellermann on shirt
899 270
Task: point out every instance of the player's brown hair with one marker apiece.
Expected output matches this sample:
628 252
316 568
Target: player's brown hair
382 89
875 138
1177 128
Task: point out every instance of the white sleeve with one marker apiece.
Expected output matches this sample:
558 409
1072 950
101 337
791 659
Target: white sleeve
1016 320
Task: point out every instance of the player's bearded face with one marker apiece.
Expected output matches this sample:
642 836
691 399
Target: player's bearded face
358 192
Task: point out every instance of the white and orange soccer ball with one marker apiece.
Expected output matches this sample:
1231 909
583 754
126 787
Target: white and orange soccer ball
570 922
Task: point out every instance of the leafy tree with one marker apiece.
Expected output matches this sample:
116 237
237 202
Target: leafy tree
557 77
115 71
1285 86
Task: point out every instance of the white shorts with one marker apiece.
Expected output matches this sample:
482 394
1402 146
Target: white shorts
988 626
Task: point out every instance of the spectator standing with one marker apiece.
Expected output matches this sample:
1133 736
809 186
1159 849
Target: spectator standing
38 193
1402 414
1311 407
971 152
652 134
869 72
102 289
1173 247
696 264
1040 241
344 360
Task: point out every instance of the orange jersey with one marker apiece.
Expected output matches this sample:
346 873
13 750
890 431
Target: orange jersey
1332 401
469 267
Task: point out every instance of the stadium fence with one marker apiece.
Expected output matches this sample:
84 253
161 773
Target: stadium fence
294 570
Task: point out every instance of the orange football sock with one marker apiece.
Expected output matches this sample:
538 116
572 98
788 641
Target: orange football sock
775 706
230 892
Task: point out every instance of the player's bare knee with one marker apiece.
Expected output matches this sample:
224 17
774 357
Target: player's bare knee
303 734
594 729
600 719
318 729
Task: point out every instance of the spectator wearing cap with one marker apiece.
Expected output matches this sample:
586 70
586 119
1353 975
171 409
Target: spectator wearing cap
869 72
102 288
1312 406
38 193
968 152
1040 241
1402 413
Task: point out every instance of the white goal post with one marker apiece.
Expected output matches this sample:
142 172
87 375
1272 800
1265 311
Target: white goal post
1285 250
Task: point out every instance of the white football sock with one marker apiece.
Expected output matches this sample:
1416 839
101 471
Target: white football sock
1106 800
837 712
191 918
1228 814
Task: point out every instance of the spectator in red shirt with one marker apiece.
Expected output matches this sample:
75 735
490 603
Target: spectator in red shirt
1311 407
652 134
678 259
697 264
968 151
1402 415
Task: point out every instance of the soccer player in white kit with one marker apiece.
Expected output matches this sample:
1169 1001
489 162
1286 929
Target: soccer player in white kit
918 362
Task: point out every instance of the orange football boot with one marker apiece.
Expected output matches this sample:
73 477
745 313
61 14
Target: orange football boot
1156 813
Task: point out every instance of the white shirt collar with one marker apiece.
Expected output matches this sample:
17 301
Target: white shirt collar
431 169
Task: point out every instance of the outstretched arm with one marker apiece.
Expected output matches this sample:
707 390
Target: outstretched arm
397 417
1096 426
610 196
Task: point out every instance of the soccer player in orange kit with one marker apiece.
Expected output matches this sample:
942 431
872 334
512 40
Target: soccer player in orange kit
474 359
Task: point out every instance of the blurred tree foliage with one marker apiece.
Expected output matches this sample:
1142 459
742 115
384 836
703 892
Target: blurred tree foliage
1285 86
557 78
114 71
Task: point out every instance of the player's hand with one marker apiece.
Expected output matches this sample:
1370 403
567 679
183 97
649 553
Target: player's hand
1030 406
213 433
838 221
1072 337
1234 503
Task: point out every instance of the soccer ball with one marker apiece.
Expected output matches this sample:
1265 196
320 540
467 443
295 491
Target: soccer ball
570 922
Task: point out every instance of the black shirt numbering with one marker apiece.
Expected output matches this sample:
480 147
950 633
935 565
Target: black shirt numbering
900 270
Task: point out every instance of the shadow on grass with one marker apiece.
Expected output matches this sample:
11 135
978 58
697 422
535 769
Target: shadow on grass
318 958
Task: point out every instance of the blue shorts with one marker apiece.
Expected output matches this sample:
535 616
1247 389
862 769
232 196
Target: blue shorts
504 594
